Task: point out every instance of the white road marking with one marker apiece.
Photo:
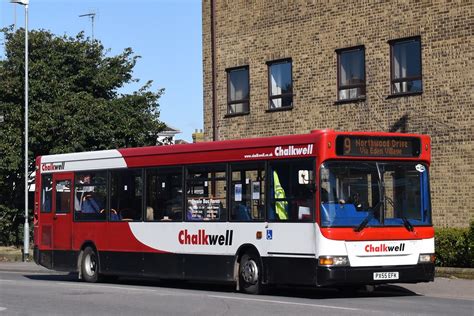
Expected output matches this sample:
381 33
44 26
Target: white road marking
283 302
2 309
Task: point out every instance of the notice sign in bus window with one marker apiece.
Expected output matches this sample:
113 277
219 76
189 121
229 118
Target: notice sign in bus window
378 146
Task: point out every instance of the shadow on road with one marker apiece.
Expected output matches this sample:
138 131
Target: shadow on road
279 291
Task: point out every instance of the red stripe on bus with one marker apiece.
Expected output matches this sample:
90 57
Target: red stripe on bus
377 233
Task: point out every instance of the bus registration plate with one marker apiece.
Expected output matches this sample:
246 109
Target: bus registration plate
385 275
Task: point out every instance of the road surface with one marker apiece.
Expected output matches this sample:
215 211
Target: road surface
29 290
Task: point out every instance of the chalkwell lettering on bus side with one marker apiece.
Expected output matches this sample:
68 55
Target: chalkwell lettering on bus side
202 238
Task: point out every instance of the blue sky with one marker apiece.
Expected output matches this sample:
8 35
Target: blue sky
165 33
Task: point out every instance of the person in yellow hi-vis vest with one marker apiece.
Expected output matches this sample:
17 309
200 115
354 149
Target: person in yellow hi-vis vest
280 206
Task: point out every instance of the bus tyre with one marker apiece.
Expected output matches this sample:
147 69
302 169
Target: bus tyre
250 273
90 265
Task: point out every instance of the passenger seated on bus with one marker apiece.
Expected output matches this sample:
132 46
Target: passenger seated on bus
114 215
176 214
149 213
354 199
89 204
192 217
191 214
242 213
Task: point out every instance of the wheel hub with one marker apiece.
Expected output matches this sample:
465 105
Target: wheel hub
250 272
90 265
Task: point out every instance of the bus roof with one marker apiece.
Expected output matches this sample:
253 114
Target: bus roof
239 149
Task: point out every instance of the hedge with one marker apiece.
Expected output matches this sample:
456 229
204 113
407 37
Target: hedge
455 247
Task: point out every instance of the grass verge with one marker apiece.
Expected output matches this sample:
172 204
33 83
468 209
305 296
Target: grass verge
10 254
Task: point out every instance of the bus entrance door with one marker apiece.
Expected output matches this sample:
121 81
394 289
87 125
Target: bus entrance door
63 255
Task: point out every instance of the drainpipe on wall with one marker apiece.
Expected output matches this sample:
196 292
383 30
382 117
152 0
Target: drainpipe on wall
213 61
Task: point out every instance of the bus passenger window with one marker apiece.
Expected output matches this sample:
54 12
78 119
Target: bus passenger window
126 191
164 199
63 196
46 193
291 190
90 196
247 191
206 193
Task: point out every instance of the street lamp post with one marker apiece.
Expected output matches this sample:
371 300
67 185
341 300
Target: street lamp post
26 228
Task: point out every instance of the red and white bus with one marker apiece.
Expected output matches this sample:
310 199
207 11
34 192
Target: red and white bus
321 209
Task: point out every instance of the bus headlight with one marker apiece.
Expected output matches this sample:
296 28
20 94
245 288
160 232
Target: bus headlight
427 258
330 261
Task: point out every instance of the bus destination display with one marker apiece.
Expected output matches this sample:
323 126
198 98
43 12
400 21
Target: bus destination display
377 146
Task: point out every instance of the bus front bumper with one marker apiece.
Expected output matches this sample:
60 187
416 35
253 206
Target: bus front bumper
330 276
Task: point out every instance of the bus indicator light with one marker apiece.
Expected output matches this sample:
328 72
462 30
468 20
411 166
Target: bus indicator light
334 261
326 261
427 258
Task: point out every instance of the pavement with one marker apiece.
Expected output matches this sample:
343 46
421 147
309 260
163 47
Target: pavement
460 273
26 267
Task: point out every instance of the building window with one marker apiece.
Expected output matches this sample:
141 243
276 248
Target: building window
406 66
280 84
238 90
351 73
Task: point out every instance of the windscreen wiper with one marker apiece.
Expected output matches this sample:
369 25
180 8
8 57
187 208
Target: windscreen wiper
364 222
407 224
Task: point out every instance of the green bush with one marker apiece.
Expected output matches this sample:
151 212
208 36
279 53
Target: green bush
470 244
455 246
10 220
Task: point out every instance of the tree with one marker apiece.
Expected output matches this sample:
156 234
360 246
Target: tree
74 105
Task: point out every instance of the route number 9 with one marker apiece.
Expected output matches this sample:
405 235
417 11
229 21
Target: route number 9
347 146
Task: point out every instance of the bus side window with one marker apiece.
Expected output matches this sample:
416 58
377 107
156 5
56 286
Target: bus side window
46 193
90 196
126 195
164 199
291 190
247 191
206 193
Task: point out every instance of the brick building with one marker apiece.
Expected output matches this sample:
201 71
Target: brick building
287 67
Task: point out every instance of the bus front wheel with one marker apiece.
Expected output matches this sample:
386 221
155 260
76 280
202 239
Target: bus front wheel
90 265
250 273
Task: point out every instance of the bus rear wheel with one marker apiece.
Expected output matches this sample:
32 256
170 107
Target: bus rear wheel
250 273
90 265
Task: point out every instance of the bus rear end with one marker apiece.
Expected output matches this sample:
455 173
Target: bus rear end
374 210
